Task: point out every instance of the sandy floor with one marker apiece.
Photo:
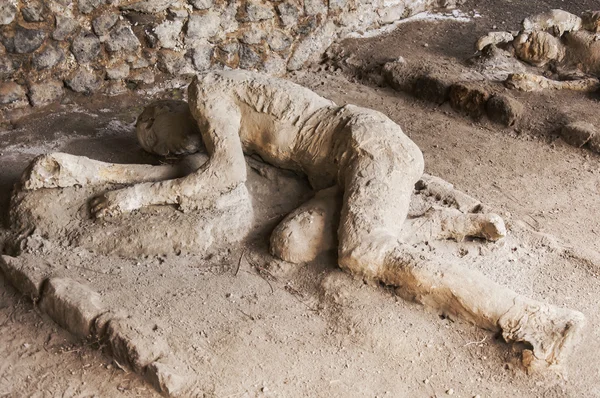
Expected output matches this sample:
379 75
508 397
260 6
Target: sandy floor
312 331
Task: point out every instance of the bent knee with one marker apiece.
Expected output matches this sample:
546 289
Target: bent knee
367 258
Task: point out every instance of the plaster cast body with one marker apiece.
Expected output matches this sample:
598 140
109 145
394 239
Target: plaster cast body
567 43
366 169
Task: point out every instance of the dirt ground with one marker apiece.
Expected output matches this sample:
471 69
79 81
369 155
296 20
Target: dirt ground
311 331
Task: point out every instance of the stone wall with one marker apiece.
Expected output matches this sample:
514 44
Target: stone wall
110 46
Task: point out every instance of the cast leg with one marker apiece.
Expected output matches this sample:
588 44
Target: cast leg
61 170
378 182
310 229
219 120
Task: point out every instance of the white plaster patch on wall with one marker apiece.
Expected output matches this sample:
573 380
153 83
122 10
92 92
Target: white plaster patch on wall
455 15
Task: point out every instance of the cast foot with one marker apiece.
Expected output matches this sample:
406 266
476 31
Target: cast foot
113 203
43 172
552 332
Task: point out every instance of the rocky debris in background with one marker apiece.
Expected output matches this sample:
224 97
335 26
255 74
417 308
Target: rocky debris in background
104 22
12 95
141 62
72 305
257 34
117 72
167 33
253 36
122 38
87 6
64 27
578 133
174 63
84 81
86 47
48 57
504 110
314 7
228 54
202 56
180 14
315 43
7 67
34 11
433 88
257 11
279 41
492 39
591 21
149 6
28 40
115 87
249 59
138 76
46 92
469 98
8 11
202 27
289 14
202 4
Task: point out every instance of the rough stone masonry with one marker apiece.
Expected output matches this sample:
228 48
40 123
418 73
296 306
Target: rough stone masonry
109 46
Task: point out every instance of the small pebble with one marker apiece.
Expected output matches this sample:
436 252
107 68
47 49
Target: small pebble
450 392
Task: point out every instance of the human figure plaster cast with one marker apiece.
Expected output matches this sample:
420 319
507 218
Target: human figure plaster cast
566 43
364 169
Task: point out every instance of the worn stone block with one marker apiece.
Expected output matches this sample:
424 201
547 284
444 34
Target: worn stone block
432 88
504 110
72 305
26 273
170 377
134 344
469 99
578 133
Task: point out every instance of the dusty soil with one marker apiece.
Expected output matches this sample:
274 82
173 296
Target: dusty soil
311 331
